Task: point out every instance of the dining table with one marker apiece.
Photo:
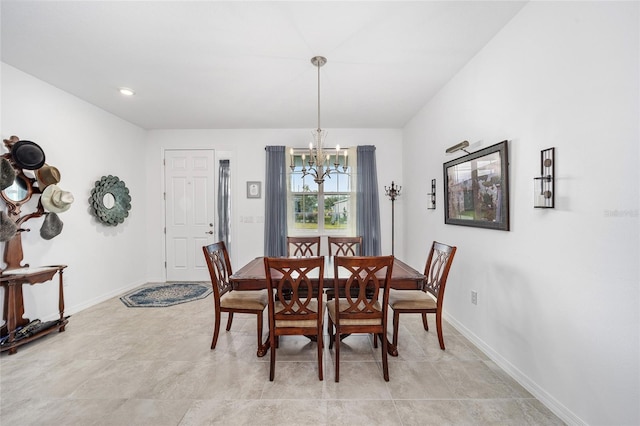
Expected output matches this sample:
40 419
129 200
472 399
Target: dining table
252 277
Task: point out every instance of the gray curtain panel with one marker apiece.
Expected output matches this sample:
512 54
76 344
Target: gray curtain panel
275 203
367 201
224 203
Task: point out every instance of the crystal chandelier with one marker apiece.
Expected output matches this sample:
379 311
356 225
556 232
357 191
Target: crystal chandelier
319 163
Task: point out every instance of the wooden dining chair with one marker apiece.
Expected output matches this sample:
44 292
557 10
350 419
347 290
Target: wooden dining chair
295 301
362 313
345 246
428 300
225 299
303 246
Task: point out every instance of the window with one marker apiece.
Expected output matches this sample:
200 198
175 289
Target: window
328 208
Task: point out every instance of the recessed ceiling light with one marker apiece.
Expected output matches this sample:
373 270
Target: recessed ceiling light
126 91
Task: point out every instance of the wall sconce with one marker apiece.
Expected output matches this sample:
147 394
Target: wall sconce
432 196
459 147
543 188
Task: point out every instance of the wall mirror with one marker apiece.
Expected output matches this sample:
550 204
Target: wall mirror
110 200
19 192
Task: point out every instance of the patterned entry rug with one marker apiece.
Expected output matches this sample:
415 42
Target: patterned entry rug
166 294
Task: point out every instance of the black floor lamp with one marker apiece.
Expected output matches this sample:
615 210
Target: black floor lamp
393 192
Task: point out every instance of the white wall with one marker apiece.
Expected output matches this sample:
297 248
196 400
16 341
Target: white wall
246 150
84 143
558 295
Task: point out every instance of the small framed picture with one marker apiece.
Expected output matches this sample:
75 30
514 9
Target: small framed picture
254 189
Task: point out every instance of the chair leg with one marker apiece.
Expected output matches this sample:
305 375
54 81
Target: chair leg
385 362
337 343
259 321
229 321
425 324
439 327
320 350
216 329
375 340
396 323
272 361
330 330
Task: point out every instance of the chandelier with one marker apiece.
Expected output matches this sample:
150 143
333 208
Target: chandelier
319 162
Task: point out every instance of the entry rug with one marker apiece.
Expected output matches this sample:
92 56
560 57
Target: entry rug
166 294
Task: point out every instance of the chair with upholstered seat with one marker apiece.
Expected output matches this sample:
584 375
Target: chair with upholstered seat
226 299
345 246
295 301
428 300
360 280
303 246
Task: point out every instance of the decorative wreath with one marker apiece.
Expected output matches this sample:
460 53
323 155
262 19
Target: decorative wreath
122 200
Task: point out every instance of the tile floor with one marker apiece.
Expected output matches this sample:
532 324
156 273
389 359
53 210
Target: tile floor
152 366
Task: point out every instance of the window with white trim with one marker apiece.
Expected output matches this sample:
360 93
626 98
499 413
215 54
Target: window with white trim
323 209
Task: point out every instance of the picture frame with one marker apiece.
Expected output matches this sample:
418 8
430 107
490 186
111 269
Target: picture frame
254 189
476 188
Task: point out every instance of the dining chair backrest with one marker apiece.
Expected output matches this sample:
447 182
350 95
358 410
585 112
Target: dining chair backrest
437 269
367 276
345 246
303 246
219 266
293 285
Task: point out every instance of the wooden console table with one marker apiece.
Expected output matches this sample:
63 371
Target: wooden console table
12 281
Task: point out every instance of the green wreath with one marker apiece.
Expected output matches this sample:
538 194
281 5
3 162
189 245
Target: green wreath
110 186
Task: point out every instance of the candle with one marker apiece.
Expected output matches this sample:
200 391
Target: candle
291 155
346 162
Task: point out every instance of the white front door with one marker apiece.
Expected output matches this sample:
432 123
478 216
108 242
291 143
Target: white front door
189 212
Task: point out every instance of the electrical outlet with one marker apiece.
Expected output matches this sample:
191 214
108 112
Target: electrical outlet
474 297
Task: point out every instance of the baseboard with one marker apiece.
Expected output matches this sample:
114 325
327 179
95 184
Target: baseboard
542 395
72 309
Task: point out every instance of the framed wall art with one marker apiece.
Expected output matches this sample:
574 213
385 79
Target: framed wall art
477 189
254 189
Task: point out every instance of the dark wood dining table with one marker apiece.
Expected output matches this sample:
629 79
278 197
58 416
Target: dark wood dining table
252 277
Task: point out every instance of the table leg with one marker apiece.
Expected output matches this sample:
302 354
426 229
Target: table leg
61 301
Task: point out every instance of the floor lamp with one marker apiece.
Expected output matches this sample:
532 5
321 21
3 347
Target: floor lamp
392 192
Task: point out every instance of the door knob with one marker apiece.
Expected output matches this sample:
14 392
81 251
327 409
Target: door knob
209 232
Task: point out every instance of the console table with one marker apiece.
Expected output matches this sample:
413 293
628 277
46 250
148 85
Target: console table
12 281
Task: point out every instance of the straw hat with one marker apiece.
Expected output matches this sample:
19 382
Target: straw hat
47 175
55 199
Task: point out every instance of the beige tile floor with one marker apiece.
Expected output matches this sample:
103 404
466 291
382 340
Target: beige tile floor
152 366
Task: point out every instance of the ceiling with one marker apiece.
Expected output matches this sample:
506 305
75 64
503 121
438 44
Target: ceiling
237 64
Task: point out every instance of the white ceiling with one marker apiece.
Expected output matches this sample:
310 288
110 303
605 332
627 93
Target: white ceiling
209 64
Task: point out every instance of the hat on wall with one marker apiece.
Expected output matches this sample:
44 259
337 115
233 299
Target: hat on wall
51 226
27 155
8 227
47 175
55 199
7 174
